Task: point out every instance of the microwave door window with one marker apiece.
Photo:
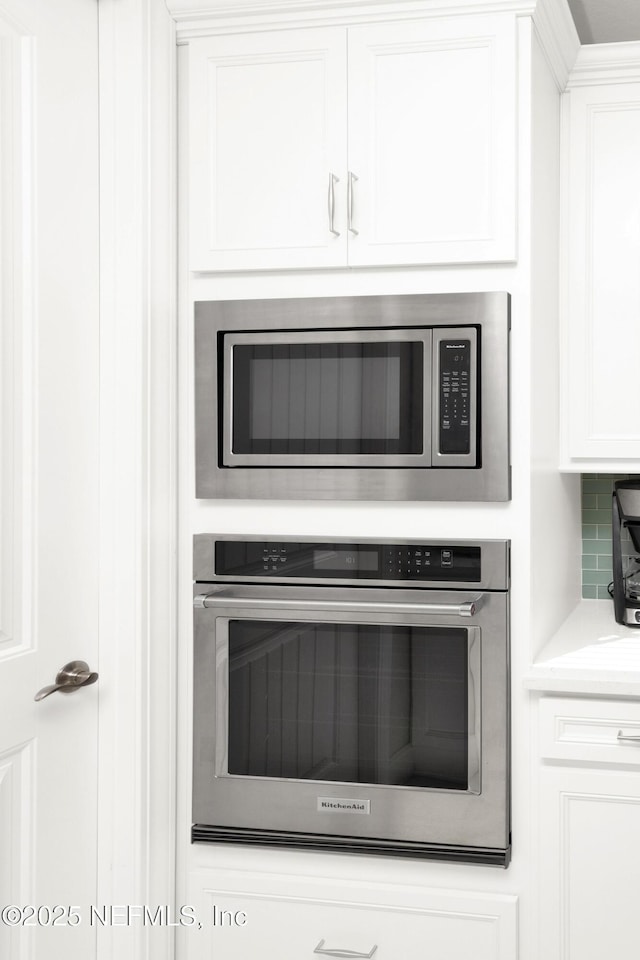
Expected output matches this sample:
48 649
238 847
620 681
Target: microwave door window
349 703
328 398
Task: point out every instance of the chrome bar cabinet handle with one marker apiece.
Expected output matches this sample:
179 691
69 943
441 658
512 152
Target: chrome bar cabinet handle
332 203
350 182
348 954
628 739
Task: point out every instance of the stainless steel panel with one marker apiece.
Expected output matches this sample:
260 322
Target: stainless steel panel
494 572
231 459
490 856
474 729
490 481
402 814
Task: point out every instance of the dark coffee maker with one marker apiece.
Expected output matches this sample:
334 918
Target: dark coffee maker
626 570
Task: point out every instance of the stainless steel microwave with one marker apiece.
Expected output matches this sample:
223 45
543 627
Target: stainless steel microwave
354 398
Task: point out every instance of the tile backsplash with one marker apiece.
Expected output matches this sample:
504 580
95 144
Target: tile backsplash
597 489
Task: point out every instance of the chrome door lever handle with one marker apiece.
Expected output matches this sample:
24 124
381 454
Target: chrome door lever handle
74 674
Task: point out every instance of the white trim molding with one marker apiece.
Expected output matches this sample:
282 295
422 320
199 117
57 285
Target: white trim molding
197 18
18 340
299 11
600 63
136 843
558 37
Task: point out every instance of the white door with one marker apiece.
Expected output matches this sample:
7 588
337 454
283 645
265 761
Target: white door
432 140
48 473
267 148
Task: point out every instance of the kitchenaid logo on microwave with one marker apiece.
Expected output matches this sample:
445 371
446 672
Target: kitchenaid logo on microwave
343 805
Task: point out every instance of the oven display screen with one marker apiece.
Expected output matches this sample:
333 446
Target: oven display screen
323 560
348 560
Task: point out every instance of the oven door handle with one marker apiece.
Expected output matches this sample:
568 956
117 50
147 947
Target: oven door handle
468 608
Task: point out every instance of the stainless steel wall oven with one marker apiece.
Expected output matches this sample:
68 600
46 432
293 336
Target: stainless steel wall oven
375 398
353 696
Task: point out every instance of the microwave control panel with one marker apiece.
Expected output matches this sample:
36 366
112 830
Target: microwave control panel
347 561
455 385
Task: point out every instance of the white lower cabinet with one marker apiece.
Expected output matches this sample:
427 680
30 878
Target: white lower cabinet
247 916
589 843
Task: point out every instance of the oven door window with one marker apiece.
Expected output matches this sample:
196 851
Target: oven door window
340 399
352 703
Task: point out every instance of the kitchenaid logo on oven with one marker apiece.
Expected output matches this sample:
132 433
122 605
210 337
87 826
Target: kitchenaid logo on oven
343 805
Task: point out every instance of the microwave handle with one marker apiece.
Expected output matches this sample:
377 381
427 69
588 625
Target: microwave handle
467 608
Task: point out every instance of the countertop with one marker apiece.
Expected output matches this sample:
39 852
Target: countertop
589 654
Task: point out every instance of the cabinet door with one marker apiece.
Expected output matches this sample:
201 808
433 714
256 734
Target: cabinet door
267 138
432 140
589 864
602 334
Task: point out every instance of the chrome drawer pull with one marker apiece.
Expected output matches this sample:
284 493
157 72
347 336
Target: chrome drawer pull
348 954
629 739
350 182
332 203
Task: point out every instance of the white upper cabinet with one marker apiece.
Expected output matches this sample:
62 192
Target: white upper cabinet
601 329
268 120
432 141
422 171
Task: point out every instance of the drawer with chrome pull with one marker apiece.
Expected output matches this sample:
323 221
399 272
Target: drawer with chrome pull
300 918
590 731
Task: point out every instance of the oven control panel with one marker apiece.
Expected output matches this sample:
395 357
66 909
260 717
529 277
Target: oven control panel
419 562
319 560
